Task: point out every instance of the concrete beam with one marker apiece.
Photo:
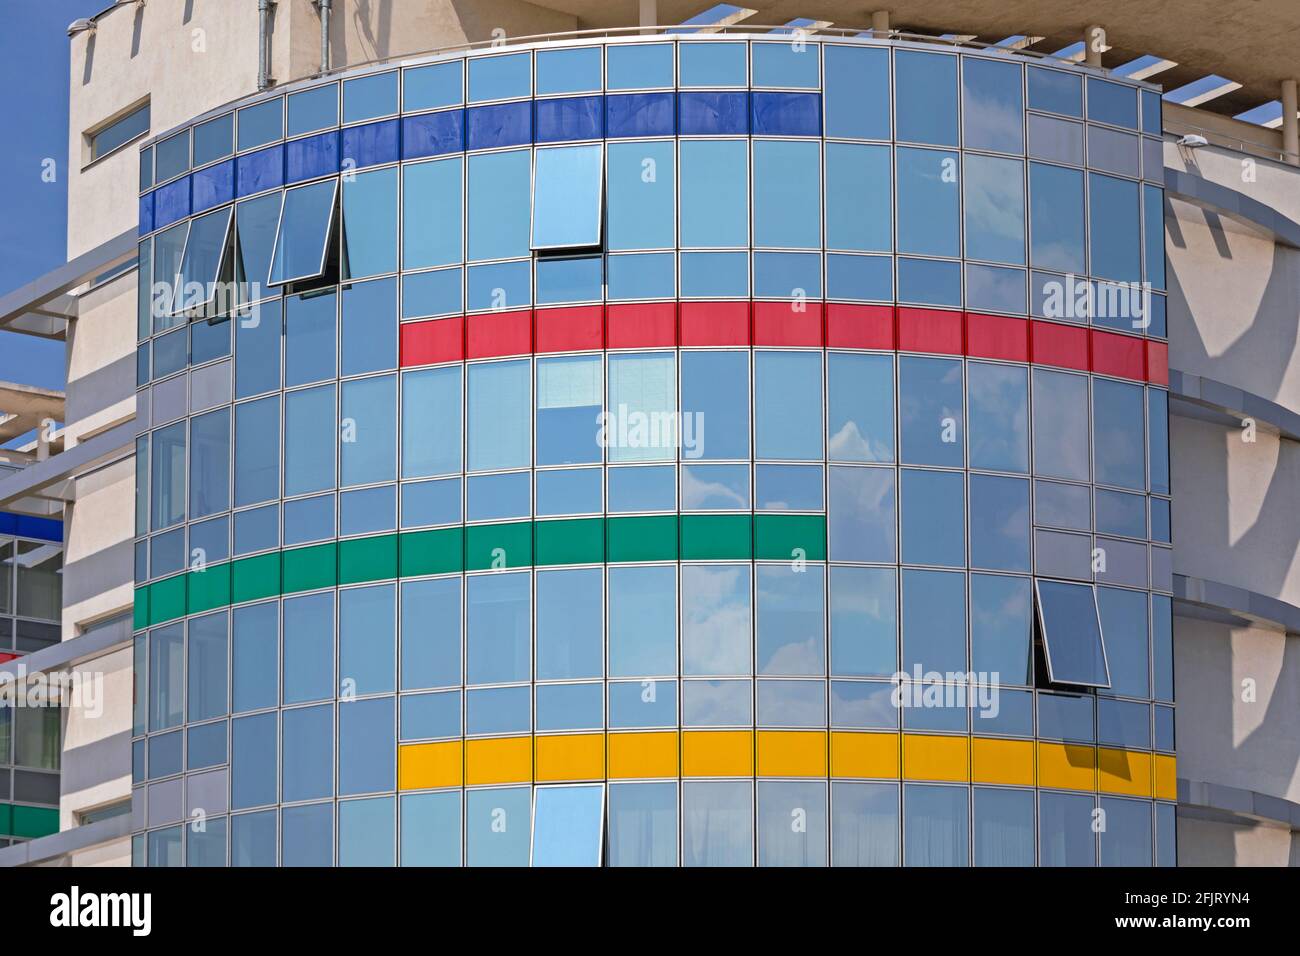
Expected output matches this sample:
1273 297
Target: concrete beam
46 296
36 478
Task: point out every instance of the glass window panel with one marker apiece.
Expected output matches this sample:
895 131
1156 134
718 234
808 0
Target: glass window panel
569 825
930 411
642 184
857 100
431 415
717 823
308 760
715 405
568 71
863 705
309 648
309 440
569 624
1126 840
255 654
860 413
995 209
936 825
926 92
999 416
929 199
1072 637
499 204
432 207
1115 234
639 66
719 275
1065 834
1153 206
500 77
253 761
642 489
1124 624
1056 224
716 615
314 109
1119 445
861 514
119 132
368 97
166 677
787 405
368 445
791 823
642 823
430 87
498 628
1112 103
1055 91
498 710
934 620
214 139
367 746
167 485
431 828
859 214
369 327
499 400
209 463
788 488
367 639
366 832
207 667
306 835
999 523
497 497
712 64
261 124
256 222
645 703
1060 424
302 238
1119 513
570 706
933 517
567 197
568 410
641 276
172 156
205 254
1055 140
642 621
309 329
497 826
1158 438
714 196
430 503
787 275
1001 627
370 223
787 65
570 280
431 633
992 105
791 620
210 540
864 824
786 174
1004 827
641 425
860 278
569 491
863 621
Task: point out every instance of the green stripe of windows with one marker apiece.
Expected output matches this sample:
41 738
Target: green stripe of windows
518 544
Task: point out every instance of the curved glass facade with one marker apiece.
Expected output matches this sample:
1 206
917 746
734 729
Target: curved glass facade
651 452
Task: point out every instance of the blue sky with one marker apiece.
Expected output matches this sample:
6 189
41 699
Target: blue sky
33 213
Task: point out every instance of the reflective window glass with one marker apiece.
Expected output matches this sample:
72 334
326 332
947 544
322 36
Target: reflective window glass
992 105
929 199
999 523
498 625
936 825
861 514
995 209
859 211
1060 424
787 405
863 621
933 517
786 174
930 411
568 825
642 823
567 193
1003 827
568 410
856 92
1119 442
716 616
934 620
926 94
430 87
641 186
1056 224
712 64
714 194
999 416
1001 627
500 77
1072 637
370 224
641 425
301 241
717 823
499 204
639 66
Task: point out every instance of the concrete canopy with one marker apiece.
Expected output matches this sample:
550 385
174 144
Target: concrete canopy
1253 42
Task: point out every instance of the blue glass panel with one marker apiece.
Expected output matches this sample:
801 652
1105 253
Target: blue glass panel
370 145
714 197
171 203
498 710
859 210
214 185
431 293
429 87
568 71
497 497
577 117
311 157
569 280
639 66
1056 223
716 275
368 511
1055 91
432 206
1115 236
433 134
995 209
500 77
926 91
568 826
367 746
860 412
934 620
863 621
641 185
308 752
369 224
995 289
857 92
992 105
643 703
1112 103
260 124
497 826
787 114
647 276
787 65
1072 633
369 337
308 519
500 203
567 193
715 388
1000 624
715 487
786 175
253 763
929 282
371 454
369 96
712 64
787 405
300 246
640 114
505 124
307 835
261 170
428 716
642 489
933 517
929 198
569 491
787 275
999 523
504 285
860 278
431 631
570 706
430 503
1153 204
642 617
146 213
720 113
314 109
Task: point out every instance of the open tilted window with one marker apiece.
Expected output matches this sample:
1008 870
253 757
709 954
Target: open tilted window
1072 638
567 197
205 257
302 241
568 825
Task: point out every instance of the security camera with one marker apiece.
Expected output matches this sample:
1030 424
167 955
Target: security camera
1193 141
